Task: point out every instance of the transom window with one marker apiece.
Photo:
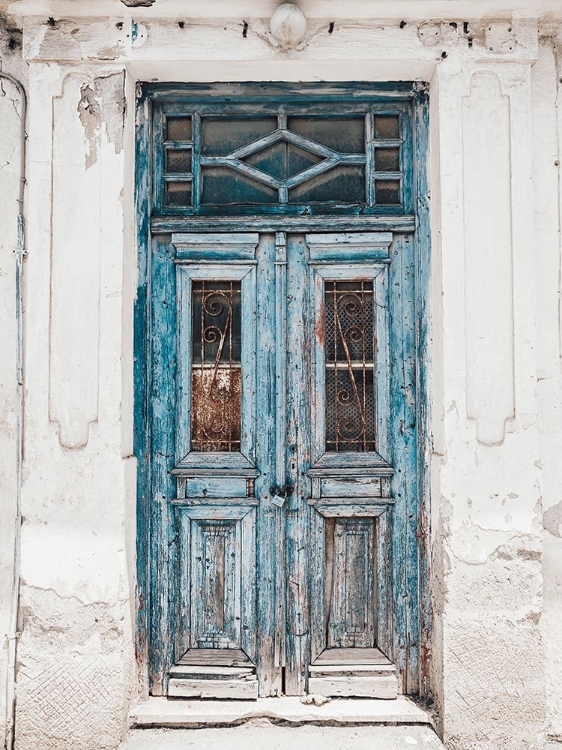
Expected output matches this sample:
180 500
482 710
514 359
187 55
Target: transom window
291 158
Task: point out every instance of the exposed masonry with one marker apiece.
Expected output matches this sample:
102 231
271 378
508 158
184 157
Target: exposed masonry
138 3
552 520
61 698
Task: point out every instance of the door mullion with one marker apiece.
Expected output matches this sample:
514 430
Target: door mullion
298 462
280 441
268 549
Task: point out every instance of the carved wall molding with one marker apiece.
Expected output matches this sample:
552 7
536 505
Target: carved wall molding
488 282
75 263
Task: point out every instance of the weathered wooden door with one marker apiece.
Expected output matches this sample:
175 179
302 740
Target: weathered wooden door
278 449
291 360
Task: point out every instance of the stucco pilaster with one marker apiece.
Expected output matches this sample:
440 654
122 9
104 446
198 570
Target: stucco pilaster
489 520
75 651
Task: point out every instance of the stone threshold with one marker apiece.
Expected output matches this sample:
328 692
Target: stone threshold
165 712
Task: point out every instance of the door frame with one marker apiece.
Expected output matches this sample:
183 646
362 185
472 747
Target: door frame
418 613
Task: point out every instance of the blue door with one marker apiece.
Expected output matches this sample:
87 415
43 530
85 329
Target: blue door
282 447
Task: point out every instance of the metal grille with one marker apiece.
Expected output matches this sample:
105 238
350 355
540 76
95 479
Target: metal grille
350 386
216 378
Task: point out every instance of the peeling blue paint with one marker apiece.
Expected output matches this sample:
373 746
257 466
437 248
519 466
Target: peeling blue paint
161 603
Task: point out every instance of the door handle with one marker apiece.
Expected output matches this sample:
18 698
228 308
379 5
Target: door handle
280 494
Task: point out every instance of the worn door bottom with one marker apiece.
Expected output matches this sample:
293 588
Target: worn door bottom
164 712
213 673
353 672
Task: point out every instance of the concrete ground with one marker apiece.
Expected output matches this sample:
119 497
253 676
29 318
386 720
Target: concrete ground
261 734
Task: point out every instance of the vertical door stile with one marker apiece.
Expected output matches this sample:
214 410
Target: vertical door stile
384 428
298 463
403 451
268 563
320 588
163 532
280 440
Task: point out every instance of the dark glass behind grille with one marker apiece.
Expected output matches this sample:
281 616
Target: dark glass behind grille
221 136
349 341
346 135
178 128
177 194
285 159
216 379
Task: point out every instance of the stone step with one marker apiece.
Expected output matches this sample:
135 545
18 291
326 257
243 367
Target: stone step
260 733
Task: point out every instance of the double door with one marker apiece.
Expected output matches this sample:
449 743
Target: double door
283 464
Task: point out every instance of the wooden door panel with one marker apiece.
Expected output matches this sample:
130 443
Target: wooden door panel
216 584
350 471
215 469
350 582
217 579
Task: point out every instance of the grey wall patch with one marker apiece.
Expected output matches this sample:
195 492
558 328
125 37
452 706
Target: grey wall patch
90 117
552 520
110 90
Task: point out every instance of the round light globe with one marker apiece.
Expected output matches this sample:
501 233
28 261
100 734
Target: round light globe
288 24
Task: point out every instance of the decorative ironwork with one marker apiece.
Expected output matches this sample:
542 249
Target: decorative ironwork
216 377
350 385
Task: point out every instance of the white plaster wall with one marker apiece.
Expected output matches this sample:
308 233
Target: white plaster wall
496 660
547 129
10 154
75 653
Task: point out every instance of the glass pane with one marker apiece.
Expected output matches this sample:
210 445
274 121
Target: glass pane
222 136
178 128
283 160
387 191
349 352
387 126
343 134
178 161
221 185
216 377
340 184
177 194
387 160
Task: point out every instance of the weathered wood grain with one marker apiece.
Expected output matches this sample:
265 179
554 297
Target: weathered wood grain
297 458
217 673
224 657
384 687
342 656
243 689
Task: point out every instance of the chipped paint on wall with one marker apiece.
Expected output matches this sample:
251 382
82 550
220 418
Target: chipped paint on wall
102 103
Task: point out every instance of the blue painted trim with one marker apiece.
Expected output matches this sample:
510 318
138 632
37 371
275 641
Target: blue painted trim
224 93
141 374
422 244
